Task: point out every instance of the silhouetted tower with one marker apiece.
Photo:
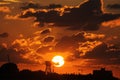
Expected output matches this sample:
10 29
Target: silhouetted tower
48 67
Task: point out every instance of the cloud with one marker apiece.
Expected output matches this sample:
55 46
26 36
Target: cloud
38 46
33 5
88 16
41 15
112 23
2 2
5 9
46 31
103 54
53 6
28 5
31 46
91 36
15 56
81 39
88 46
4 35
44 49
48 39
74 56
11 0
16 17
9 17
69 43
103 51
82 49
97 52
82 45
113 6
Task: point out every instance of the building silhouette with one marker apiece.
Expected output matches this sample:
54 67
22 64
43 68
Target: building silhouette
9 71
102 74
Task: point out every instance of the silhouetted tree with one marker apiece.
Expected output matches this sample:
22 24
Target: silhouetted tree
9 71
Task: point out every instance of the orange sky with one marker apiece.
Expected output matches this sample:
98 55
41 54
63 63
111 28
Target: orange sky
88 42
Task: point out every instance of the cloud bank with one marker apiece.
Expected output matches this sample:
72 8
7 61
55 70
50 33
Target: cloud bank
5 9
113 6
4 35
88 16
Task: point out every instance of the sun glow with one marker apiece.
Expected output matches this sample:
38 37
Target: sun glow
58 61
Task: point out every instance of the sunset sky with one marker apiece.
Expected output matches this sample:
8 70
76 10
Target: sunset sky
85 33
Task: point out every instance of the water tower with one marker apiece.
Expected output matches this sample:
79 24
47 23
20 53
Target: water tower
48 67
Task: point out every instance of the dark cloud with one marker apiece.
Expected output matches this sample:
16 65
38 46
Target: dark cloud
113 6
102 51
44 49
88 16
15 56
99 54
49 39
38 6
74 56
4 35
30 5
70 43
53 6
45 31
104 54
42 16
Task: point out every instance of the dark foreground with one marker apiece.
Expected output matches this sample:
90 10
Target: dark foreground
10 71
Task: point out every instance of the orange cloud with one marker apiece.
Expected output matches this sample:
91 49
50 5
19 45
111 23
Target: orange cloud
33 46
93 36
87 46
2 3
11 17
112 23
5 9
12 0
16 17
4 45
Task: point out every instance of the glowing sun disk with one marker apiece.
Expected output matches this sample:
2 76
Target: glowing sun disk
58 61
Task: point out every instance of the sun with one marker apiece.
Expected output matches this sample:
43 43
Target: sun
58 61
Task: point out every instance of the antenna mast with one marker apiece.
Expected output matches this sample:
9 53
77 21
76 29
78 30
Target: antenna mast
8 58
